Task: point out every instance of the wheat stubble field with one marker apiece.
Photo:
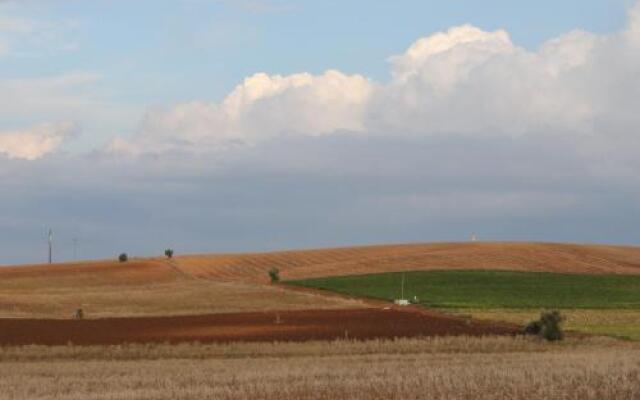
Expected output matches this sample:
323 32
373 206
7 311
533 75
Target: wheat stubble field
432 368
226 304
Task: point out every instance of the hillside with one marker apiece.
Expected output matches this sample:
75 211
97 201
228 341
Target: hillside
548 257
141 287
239 282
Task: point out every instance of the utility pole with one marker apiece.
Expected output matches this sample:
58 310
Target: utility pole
50 246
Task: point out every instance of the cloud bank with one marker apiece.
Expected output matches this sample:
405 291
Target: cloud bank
464 81
471 134
260 108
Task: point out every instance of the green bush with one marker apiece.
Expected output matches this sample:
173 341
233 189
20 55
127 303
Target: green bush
551 329
547 327
168 253
274 274
123 257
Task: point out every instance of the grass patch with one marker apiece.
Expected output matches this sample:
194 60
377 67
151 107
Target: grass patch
492 289
594 304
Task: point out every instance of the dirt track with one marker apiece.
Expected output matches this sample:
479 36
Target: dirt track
268 326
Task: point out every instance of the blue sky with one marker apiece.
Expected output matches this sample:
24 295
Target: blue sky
262 124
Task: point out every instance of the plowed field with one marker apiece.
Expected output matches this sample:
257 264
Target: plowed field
224 283
547 257
364 323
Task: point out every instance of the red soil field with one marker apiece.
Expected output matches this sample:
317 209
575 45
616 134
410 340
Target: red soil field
368 323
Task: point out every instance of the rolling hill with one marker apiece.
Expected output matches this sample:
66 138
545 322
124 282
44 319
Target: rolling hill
193 284
547 257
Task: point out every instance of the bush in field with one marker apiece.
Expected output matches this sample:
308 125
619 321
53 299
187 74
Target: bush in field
168 253
551 329
533 328
547 327
123 257
274 274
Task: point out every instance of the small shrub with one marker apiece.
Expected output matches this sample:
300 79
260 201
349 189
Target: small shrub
168 253
274 274
547 327
79 314
123 257
551 329
533 328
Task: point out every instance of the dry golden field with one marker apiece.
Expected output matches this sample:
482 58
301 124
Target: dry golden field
548 257
437 368
431 368
220 283
139 288
239 282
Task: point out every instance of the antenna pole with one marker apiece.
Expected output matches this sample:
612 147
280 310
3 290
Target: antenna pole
50 246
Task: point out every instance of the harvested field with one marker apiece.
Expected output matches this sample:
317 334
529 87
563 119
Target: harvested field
544 257
368 323
488 368
139 288
223 283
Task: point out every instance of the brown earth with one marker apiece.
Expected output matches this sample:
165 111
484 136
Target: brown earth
91 273
519 256
366 323
300 264
145 291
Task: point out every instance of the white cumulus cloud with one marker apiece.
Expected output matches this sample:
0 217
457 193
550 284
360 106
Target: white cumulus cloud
35 142
633 30
463 81
459 49
467 81
261 107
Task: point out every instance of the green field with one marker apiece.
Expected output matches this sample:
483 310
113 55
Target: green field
492 289
597 304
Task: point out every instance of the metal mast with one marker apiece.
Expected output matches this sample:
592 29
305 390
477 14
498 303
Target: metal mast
50 246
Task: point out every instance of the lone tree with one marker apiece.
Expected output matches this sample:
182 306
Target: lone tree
274 274
123 257
168 253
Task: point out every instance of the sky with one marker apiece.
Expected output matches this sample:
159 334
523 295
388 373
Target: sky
251 125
